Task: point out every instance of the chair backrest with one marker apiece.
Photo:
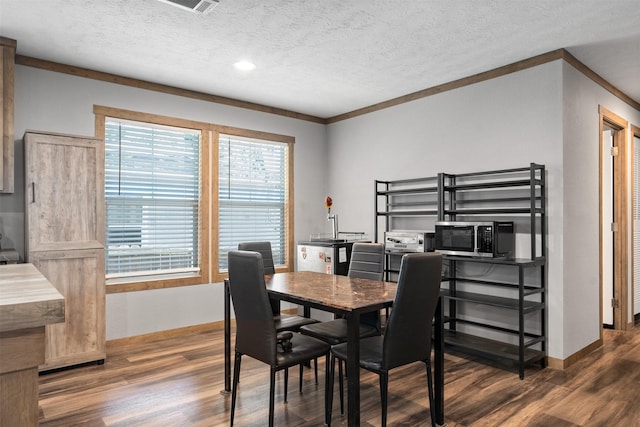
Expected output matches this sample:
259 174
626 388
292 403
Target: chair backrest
255 327
265 250
407 337
367 261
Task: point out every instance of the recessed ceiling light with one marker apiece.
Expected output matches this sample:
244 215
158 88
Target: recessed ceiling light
244 65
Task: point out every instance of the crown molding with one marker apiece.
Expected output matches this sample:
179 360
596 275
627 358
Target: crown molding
157 87
492 74
559 54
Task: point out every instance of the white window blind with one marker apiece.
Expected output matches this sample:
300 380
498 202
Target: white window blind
152 192
252 195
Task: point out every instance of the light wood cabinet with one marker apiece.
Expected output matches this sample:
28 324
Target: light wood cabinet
7 65
28 302
64 225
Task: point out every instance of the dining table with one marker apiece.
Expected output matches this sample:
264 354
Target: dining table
348 297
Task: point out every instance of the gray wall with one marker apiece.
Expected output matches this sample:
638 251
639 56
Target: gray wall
510 121
547 114
581 204
62 103
506 122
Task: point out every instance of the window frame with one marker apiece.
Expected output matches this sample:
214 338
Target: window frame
140 283
208 250
217 130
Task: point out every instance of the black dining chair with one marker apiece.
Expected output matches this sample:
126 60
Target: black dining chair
284 322
407 336
256 334
367 262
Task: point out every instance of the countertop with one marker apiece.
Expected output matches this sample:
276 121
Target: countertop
27 298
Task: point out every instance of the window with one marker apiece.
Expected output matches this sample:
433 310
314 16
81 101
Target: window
252 195
154 203
152 191
164 175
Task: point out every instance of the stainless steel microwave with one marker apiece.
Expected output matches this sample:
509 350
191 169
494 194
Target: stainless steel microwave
491 239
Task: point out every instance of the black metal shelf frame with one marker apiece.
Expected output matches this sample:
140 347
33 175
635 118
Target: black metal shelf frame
454 187
518 192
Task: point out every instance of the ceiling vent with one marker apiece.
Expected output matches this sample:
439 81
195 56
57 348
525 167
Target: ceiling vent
196 6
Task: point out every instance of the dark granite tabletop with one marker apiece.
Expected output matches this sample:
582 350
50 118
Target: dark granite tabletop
339 293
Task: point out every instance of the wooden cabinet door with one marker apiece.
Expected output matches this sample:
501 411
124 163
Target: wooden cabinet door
79 276
64 192
7 70
64 224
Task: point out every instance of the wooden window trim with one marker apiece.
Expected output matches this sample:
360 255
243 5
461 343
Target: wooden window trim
216 130
208 250
202 277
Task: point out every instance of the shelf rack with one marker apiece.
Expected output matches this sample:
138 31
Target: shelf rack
518 194
404 200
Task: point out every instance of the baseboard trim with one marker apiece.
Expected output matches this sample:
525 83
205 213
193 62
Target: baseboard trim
561 364
170 333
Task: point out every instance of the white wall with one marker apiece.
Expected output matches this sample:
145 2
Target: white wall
581 203
501 123
547 114
63 103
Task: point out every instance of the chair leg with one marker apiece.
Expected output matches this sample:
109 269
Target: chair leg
384 384
315 369
301 374
341 386
286 383
432 410
236 378
272 386
328 388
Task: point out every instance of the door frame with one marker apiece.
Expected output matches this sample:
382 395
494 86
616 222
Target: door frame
620 216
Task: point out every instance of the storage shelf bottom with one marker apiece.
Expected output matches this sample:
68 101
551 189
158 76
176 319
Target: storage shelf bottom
490 349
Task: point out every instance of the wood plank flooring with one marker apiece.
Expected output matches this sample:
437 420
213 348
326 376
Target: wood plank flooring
177 382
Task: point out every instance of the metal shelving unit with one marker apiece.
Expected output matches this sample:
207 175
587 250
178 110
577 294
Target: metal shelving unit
403 200
506 194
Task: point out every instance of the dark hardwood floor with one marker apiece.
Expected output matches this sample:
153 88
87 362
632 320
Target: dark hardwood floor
177 382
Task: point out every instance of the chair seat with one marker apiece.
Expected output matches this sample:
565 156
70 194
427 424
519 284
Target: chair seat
291 322
370 353
335 331
304 348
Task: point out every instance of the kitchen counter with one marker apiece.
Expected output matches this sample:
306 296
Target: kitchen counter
28 302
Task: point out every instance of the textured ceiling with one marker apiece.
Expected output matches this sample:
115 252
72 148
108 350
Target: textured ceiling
324 57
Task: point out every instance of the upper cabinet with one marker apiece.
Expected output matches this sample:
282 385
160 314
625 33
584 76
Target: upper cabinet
7 62
64 192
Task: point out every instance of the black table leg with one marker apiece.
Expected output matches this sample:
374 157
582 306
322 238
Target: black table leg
438 341
227 339
353 368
